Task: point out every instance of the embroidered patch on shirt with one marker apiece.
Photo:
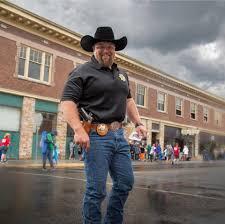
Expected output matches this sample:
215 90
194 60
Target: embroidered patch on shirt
121 76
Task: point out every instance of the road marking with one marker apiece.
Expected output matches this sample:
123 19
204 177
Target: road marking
135 187
49 175
180 193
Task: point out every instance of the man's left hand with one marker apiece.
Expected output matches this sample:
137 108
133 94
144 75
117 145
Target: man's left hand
142 131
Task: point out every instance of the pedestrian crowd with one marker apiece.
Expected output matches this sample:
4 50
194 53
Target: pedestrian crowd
146 152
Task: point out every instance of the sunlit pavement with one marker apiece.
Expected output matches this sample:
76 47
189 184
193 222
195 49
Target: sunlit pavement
185 193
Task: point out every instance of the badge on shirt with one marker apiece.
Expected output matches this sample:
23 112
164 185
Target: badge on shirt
122 77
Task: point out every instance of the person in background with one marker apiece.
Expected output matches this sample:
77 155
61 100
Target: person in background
71 146
153 151
148 150
169 151
165 153
136 151
48 144
55 155
5 146
158 151
176 152
186 152
142 151
43 146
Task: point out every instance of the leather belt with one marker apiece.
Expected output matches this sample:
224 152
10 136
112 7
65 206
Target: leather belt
112 126
101 128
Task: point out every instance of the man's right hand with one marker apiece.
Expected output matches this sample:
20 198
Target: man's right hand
81 138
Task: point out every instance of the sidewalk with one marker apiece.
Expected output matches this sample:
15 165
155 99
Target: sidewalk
38 164
80 164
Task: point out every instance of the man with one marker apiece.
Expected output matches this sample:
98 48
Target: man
102 89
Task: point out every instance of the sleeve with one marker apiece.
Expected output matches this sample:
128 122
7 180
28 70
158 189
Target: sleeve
73 88
129 93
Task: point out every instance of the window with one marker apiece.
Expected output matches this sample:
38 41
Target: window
141 95
48 122
155 127
179 103
205 114
161 102
193 111
218 118
34 64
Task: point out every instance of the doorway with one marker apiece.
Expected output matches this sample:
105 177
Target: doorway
154 137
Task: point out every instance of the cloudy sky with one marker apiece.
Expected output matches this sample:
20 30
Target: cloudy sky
185 39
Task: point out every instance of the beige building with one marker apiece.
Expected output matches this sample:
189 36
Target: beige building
35 59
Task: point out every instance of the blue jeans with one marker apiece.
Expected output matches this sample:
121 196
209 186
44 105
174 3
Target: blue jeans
110 153
47 154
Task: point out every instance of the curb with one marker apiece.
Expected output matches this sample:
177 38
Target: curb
80 165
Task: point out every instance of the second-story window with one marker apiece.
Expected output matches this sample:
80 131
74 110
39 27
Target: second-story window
161 102
193 111
179 103
218 118
34 64
205 114
141 95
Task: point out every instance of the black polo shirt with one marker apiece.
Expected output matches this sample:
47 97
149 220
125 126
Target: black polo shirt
99 90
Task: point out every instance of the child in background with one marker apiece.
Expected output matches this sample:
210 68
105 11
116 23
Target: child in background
55 155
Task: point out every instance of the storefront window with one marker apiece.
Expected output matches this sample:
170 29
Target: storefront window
173 135
48 122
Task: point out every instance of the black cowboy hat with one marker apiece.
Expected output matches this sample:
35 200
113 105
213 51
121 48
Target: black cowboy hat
102 34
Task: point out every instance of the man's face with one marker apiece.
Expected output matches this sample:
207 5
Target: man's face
104 53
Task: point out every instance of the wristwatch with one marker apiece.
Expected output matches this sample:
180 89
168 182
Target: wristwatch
138 124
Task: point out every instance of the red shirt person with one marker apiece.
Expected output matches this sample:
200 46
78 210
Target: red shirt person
176 151
6 140
5 145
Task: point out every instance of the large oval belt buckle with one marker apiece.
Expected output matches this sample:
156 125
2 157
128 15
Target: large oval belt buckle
102 129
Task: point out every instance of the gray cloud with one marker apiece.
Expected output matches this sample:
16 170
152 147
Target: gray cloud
184 39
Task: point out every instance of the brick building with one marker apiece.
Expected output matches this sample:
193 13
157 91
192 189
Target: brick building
36 57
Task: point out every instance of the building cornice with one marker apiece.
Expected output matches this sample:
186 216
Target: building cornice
183 126
34 24
24 94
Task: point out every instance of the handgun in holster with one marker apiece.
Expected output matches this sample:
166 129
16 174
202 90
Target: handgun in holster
86 119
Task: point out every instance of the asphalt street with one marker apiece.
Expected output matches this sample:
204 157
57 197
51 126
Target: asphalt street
190 194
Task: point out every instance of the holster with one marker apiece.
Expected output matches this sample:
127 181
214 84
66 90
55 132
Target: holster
87 126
